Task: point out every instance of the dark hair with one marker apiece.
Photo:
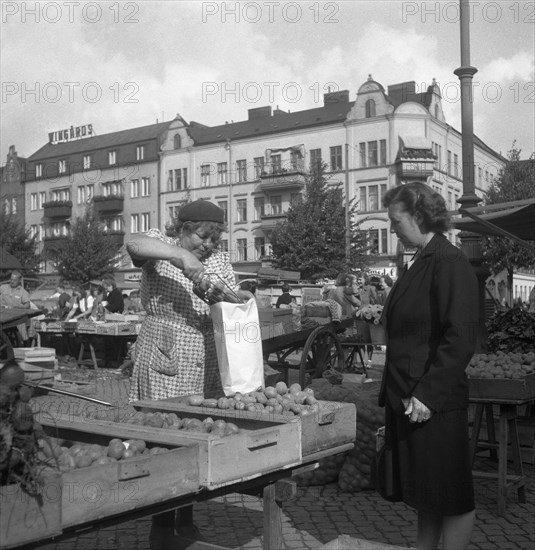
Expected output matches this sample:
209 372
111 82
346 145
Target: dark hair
213 229
249 286
108 281
419 197
285 287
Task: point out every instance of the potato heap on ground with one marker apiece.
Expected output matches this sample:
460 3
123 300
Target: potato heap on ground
278 399
70 456
501 365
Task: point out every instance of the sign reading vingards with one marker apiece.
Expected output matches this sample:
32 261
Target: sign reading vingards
74 132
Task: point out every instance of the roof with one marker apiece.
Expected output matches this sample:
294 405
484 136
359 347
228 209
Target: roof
279 122
114 139
515 218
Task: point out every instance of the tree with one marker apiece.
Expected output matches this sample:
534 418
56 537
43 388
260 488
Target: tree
516 181
312 238
16 240
87 253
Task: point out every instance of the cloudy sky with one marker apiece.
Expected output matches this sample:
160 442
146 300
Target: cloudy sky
120 65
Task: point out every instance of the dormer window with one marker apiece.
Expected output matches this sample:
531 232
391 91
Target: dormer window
370 108
112 157
177 143
62 166
140 152
86 162
38 170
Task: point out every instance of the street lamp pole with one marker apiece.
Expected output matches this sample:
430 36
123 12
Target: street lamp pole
470 242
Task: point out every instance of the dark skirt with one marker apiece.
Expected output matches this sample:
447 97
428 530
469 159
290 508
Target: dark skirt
434 464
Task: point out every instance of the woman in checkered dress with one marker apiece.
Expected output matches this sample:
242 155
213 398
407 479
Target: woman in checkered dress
175 351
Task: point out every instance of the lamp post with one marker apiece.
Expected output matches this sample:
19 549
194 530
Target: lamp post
470 242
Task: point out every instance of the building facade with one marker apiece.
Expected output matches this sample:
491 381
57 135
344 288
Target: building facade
12 174
118 173
254 169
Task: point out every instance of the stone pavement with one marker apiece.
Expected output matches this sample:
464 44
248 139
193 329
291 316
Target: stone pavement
319 514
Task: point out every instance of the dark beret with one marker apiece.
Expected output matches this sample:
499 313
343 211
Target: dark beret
201 211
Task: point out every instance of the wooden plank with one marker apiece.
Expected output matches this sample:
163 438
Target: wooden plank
272 519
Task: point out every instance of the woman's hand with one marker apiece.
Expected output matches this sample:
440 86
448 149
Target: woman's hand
416 410
189 264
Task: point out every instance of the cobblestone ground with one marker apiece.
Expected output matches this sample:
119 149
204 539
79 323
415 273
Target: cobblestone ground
316 516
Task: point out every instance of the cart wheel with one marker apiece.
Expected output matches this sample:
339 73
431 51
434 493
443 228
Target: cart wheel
322 351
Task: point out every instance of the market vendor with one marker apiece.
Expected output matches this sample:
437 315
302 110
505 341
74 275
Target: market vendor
175 349
113 300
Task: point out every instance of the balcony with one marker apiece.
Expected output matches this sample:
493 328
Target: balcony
57 209
52 243
115 238
270 221
283 179
415 164
109 203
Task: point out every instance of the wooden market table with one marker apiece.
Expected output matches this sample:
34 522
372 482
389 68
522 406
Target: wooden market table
507 431
10 319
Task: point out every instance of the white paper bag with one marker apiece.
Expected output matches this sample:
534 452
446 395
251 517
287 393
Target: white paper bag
238 344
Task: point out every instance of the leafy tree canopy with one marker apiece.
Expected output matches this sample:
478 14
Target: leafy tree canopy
87 253
516 181
16 240
312 239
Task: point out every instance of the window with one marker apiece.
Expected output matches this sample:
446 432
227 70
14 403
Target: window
140 152
336 157
222 170
7 206
170 181
42 200
296 198
112 188
382 151
450 200
370 108
373 197
362 202
259 247
373 238
315 159
81 195
241 167
372 153
33 202
34 231
456 165
259 208
145 222
62 166
134 189
205 175
362 154
173 212
61 195
480 175
296 161
276 205
134 223
38 170
224 206
449 167
177 142
223 245
145 187
242 250
185 177
178 179
112 157
13 205
241 210
41 231
258 166
384 241
86 162
113 224
383 192
90 191
276 164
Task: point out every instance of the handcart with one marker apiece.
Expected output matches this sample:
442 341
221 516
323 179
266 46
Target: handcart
320 350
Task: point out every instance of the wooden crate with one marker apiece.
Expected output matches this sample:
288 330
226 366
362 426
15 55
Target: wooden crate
26 519
503 388
109 329
101 491
261 446
334 424
126 329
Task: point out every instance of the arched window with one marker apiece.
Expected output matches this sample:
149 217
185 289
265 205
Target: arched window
370 108
177 141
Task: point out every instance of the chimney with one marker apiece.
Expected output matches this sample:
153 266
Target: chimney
400 93
342 96
260 112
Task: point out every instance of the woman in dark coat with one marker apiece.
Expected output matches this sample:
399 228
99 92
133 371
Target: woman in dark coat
431 319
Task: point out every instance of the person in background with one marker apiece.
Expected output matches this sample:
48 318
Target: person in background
175 350
64 302
113 297
134 305
383 289
367 294
285 299
82 304
344 293
14 295
431 320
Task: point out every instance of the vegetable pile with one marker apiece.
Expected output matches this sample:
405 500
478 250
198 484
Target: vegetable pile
501 365
19 433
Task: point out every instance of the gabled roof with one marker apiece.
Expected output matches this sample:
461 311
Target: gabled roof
279 122
114 139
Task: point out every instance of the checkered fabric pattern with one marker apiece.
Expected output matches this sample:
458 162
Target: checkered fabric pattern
175 350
